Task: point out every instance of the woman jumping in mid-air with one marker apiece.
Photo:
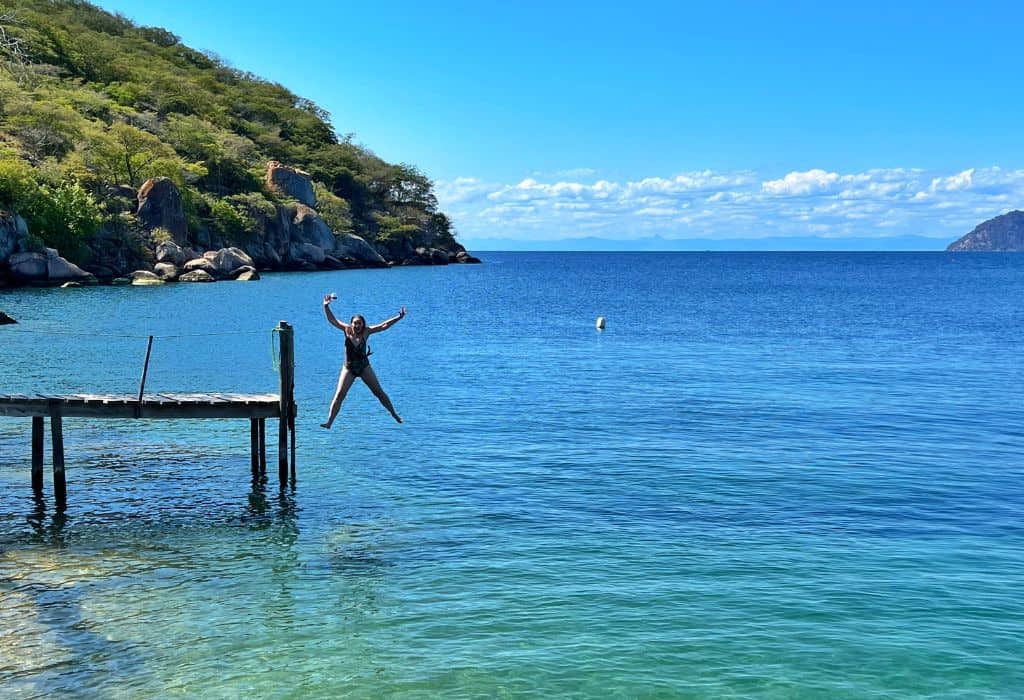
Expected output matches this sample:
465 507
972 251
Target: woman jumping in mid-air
357 363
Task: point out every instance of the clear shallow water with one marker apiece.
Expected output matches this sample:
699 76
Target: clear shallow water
792 475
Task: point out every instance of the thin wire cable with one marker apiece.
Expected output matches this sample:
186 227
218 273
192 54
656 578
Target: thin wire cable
143 337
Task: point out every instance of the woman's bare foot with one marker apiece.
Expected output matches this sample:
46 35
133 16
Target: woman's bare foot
325 425
396 417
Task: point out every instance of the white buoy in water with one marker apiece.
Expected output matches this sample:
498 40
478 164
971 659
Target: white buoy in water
600 323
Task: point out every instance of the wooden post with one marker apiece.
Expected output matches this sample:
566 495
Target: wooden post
60 489
263 446
286 334
37 454
254 446
291 429
145 370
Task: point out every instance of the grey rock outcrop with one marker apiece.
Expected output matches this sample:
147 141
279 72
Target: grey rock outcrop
160 206
1002 234
246 275
463 257
308 227
291 182
173 253
352 246
432 256
58 269
204 264
226 260
166 271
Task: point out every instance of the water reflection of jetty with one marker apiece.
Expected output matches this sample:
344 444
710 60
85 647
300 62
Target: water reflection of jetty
208 405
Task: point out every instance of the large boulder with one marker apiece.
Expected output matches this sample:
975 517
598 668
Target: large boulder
145 278
246 274
204 264
308 227
352 246
60 270
28 267
432 256
160 206
166 271
291 182
226 260
463 257
174 254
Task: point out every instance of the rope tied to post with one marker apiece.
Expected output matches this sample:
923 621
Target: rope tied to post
274 353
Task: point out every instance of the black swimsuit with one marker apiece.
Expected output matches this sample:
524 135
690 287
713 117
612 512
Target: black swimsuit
356 356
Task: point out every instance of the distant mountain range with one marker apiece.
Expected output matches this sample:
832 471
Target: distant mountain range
657 243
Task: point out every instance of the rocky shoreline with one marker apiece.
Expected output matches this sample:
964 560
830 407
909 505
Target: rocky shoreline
289 235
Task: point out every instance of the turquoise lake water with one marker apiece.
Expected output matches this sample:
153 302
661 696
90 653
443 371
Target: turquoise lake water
771 476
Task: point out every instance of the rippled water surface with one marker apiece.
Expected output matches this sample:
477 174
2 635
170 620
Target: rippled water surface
772 476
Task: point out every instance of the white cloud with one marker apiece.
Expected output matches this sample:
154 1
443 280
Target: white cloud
797 184
710 204
954 183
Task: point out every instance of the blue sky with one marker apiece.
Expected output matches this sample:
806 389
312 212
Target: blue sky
719 120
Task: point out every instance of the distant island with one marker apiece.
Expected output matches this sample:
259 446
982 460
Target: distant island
1002 234
126 155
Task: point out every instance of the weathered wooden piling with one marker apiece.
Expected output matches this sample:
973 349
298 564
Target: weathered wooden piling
287 366
60 488
254 446
37 453
263 446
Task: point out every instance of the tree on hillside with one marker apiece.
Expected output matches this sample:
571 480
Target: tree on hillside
125 155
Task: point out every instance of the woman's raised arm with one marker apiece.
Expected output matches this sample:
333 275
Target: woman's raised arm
328 298
383 326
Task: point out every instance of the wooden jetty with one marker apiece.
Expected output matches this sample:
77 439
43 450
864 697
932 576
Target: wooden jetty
210 405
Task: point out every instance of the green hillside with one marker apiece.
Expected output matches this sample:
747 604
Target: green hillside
91 104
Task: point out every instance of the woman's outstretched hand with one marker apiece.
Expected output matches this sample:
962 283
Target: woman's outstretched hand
401 313
328 298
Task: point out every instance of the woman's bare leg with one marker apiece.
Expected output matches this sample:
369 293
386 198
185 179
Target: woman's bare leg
371 381
344 384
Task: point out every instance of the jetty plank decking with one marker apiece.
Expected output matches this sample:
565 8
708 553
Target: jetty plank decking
190 405
160 406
